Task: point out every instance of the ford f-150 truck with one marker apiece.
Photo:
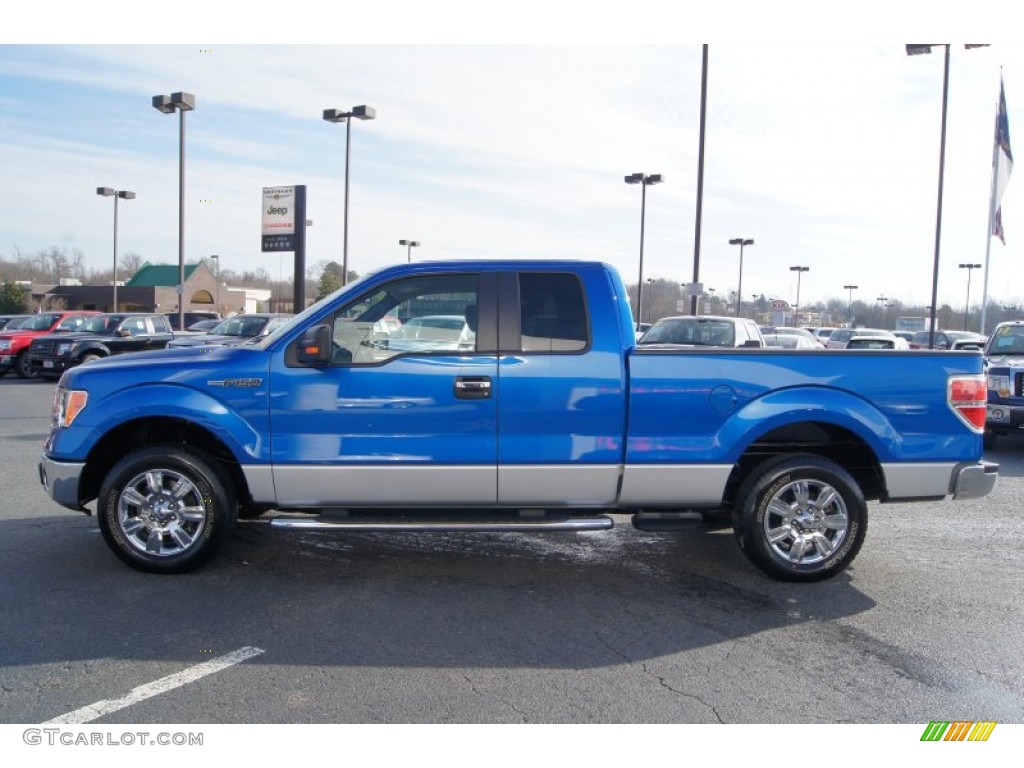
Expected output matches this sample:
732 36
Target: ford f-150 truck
543 416
1004 353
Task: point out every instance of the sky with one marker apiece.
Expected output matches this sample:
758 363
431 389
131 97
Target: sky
824 152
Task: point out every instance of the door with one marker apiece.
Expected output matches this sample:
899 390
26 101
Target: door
404 416
563 397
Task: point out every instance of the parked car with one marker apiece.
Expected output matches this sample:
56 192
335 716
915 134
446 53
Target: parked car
790 341
948 340
99 336
782 330
703 331
1004 358
203 326
14 342
12 321
235 330
432 333
191 318
841 336
872 341
907 336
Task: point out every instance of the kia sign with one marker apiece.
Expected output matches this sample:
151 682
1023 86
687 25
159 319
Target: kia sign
282 208
778 305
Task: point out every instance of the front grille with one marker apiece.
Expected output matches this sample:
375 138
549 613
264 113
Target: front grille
43 348
1018 384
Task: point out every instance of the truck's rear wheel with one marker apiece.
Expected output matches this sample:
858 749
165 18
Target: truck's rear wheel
165 509
800 518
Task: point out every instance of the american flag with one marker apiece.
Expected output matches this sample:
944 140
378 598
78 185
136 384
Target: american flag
1003 163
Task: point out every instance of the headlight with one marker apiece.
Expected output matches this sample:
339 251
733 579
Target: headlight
5 345
65 348
67 404
1000 384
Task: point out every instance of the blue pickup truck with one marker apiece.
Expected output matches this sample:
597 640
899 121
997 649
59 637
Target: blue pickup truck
538 413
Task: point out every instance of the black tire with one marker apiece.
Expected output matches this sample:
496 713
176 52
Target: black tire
166 509
989 439
23 366
800 518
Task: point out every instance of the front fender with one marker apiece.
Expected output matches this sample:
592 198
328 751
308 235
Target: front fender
163 400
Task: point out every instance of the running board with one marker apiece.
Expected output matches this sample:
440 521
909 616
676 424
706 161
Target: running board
413 525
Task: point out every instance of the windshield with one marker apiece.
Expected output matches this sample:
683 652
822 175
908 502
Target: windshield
691 330
99 324
265 341
39 323
1008 340
242 325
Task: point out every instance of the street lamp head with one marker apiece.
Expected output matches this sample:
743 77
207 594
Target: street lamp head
183 101
410 243
654 178
918 49
799 269
163 104
851 287
635 178
340 116
741 241
124 194
970 266
106 191
179 100
335 115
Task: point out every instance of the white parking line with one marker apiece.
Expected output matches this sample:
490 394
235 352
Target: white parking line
94 711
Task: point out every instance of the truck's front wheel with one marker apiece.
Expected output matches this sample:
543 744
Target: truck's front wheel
800 518
165 509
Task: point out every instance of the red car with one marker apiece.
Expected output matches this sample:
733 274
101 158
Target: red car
14 344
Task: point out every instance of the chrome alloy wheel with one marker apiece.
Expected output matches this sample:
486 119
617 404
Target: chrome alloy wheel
806 521
161 512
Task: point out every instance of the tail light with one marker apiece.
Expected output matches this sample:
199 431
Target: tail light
967 396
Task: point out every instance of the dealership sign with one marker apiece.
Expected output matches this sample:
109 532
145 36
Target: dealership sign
282 208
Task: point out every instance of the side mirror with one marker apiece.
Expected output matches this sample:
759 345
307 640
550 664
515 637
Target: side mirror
123 332
316 346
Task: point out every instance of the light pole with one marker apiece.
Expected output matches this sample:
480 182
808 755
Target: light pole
882 301
644 181
967 306
410 244
739 289
216 258
796 312
711 300
182 102
362 112
849 304
117 194
914 50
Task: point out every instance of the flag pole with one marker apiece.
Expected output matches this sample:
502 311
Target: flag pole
991 221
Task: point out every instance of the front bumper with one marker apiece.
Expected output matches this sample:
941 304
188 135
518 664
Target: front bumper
972 481
49 366
1004 416
60 480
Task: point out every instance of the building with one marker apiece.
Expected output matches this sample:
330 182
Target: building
154 289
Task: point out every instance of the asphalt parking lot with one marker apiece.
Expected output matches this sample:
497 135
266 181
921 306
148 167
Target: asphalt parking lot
610 627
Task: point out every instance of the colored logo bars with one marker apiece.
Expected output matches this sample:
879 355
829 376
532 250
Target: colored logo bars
960 730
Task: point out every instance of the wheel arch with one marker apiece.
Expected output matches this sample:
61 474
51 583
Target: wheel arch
150 430
837 443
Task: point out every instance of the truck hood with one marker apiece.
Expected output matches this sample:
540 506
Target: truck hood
169 364
1010 361
207 340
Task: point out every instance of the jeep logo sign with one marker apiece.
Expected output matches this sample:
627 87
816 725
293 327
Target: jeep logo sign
278 218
